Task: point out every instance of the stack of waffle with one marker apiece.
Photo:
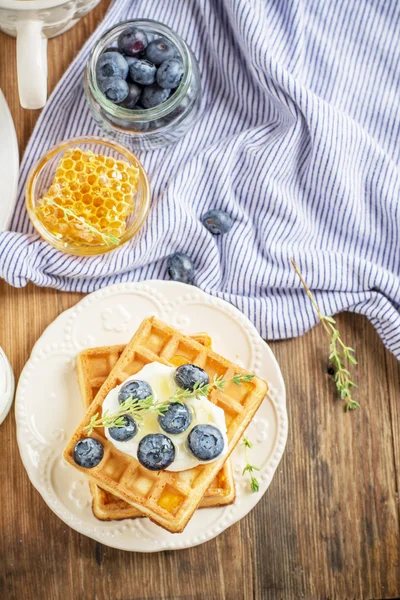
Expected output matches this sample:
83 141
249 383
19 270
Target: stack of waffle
120 486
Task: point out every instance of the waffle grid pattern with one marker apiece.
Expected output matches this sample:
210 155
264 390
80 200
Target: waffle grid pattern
169 499
94 366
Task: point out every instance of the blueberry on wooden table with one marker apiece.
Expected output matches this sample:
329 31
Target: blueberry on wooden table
205 442
88 453
111 64
132 41
123 434
135 389
176 418
188 376
156 451
180 267
217 221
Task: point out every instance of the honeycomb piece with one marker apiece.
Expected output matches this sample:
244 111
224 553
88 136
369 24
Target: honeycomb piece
90 198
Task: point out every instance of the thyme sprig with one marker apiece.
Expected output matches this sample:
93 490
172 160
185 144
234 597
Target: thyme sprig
131 406
249 468
138 408
108 238
342 356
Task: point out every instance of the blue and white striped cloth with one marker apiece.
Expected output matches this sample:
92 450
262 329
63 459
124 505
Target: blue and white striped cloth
299 142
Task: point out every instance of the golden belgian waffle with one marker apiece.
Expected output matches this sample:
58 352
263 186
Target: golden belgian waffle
167 498
94 366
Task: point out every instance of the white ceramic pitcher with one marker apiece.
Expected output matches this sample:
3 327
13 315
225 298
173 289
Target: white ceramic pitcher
32 22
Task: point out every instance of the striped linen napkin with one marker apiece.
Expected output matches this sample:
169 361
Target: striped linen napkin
299 142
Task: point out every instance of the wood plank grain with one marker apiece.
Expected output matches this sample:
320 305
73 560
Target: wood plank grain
328 527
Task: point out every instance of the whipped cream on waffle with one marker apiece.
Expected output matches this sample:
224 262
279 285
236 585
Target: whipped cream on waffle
161 379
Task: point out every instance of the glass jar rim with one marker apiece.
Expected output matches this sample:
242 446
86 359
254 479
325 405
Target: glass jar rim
149 114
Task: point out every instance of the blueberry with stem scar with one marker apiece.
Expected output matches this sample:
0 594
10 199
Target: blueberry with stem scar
135 389
170 73
176 418
205 442
114 88
132 41
142 71
180 267
111 64
160 50
123 434
88 453
188 376
217 221
156 451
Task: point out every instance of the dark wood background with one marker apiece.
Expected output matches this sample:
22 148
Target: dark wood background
328 527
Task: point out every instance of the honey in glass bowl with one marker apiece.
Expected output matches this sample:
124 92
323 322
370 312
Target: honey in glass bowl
88 196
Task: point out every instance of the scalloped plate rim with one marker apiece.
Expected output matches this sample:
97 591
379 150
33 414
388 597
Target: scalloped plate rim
275 454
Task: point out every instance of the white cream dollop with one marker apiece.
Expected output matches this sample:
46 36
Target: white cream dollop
161 379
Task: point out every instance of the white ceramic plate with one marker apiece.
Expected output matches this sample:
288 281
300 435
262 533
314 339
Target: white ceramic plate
6 386
48 405
9 164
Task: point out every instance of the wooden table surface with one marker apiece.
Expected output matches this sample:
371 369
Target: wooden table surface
328 527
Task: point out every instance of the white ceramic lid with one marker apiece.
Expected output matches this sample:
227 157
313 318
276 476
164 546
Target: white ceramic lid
6 386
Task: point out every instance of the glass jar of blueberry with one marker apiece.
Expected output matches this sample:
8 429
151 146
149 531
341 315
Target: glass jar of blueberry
142 82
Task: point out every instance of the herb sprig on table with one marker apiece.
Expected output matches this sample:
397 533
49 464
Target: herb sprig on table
249 468
137 408
342 356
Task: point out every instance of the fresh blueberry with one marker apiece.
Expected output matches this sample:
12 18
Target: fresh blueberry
186 377
114 88
156 451
153 95
176 418
142 71
217 221
170 73
111 64
134 389
160 50
132 41
88 453
132 97
205 442
180 267
123 434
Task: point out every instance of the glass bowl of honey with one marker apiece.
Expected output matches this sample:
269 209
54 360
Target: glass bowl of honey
88 196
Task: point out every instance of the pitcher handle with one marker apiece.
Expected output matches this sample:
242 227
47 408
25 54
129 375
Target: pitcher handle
31 63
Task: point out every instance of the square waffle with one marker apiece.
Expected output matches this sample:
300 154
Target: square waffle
94 366
167 498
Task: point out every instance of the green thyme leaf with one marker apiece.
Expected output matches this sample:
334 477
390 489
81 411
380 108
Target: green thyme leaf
138 408
249 468
342 356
